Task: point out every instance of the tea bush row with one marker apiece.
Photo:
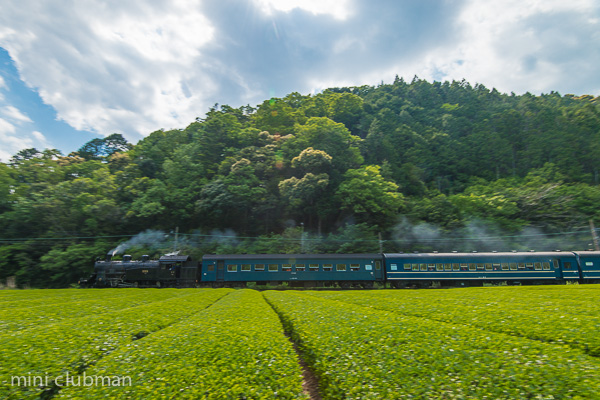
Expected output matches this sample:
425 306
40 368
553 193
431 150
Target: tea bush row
235 349
364 353
71 345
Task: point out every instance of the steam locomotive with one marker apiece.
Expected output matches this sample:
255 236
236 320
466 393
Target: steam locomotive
170 270
396 270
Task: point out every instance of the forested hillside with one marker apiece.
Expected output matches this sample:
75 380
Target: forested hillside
399 167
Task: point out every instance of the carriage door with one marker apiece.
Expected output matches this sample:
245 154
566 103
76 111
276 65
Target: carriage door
220 270
557 269
378 271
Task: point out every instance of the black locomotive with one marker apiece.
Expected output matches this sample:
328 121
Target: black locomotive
171 270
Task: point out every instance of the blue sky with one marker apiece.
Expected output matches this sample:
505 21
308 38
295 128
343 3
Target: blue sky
24 109
73 71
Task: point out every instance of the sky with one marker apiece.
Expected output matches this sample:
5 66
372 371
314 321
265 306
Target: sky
72 71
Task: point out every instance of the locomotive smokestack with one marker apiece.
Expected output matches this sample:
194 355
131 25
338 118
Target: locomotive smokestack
108 257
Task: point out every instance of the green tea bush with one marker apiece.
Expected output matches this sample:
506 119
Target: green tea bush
562 314
52 308
363 353
235 349
71 345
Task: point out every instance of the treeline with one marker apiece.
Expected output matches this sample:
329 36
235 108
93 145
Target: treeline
398 167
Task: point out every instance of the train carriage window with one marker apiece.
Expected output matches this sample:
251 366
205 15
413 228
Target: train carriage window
472 267
354 267
521 265
259 267
505 267
273 267
529 265
555 263
415 267
407 267
286 267
480 266
488 267
538 266
455 267
589 264
340 267
313 267
513 266
423 267
430 267
439 267
567 264
546 266
393 267
377 265
464 267
327 267
496 267
448 267
300 267
210 267
232 268
246 267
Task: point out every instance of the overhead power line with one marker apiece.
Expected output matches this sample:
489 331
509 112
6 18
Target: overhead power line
410 237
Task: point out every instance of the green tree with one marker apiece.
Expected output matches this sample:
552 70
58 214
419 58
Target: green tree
278 116
368 196
311 160
326 135
247 190
63 266
6 187
100 149
303 195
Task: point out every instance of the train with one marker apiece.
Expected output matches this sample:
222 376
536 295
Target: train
393 270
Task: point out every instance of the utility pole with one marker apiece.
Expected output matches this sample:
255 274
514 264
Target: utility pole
302 238
176 238
594 235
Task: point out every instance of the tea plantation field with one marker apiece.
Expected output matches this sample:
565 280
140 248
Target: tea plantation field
472 343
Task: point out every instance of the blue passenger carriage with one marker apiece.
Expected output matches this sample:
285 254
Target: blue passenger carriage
422 269
589 263
299 270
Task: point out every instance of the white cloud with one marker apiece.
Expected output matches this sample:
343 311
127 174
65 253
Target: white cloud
337 8
119 67
171 37
6 127
2 86
524 45
13 132
41 139
14 114
11 142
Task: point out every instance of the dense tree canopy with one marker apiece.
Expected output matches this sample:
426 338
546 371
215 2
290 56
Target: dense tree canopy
413 163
